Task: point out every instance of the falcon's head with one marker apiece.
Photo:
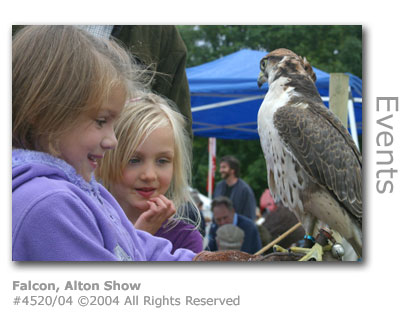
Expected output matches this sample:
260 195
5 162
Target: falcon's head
282 62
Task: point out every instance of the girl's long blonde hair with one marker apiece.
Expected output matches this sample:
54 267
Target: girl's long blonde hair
59 73
139 118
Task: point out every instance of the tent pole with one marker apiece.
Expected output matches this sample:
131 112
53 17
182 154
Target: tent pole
212 166
351 116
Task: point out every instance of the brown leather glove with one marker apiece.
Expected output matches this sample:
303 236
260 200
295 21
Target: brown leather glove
228 255
239 256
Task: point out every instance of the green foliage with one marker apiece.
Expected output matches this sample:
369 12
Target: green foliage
329 48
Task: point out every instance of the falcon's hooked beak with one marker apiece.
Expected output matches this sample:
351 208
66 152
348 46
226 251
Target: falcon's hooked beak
261 79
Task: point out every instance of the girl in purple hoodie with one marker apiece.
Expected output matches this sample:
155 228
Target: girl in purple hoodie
69 88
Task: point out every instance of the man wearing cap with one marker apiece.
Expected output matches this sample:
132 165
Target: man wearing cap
223 214
229 237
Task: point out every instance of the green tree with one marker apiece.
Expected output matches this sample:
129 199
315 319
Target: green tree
330 48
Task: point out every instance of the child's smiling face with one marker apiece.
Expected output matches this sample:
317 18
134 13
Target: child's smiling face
148 174
87 142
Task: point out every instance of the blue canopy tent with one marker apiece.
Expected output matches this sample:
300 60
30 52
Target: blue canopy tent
225 97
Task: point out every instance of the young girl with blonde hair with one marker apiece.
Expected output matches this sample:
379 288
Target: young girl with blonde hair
149 171
69 88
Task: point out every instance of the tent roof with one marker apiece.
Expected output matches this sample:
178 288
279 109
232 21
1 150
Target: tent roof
230 74
225 97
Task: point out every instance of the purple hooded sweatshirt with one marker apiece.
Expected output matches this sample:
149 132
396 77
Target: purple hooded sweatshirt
58 216
182 235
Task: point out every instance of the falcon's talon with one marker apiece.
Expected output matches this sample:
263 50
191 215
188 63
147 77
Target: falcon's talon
315 253
299 250
278 248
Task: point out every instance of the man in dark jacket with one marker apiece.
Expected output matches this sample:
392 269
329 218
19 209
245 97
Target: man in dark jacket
240 193
223 213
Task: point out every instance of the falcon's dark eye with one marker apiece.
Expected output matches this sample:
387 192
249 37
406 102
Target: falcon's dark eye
262 64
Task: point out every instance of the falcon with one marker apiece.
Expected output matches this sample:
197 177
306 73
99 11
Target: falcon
313 165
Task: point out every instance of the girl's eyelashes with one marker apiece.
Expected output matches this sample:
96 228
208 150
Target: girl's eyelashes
100 122
134 160
163 161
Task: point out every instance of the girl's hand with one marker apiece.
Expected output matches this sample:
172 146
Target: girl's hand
160 209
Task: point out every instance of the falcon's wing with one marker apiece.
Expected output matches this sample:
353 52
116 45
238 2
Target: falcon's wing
324 148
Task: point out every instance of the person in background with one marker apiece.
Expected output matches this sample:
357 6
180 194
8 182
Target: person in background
267 203
240 193
149 171
224 213
229 237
